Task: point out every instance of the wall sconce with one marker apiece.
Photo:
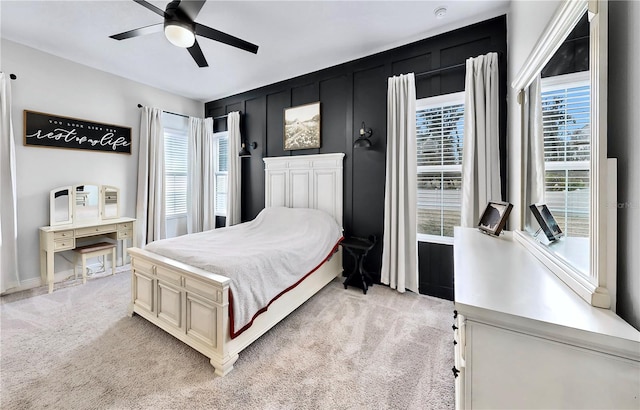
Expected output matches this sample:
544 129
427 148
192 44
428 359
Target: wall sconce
363 140
244 152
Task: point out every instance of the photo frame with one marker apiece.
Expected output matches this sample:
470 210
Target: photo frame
546 221
494 217
302 127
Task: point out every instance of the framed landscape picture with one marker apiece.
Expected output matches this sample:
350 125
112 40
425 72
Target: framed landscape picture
494 217
302 127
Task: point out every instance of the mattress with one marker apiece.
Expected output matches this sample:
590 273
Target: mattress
262 258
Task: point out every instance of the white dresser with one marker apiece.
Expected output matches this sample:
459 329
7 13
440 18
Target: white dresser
60 238
525 340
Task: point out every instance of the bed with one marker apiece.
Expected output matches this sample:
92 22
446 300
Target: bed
195 302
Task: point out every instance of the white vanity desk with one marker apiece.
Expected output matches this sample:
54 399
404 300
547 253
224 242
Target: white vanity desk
60 238
526 340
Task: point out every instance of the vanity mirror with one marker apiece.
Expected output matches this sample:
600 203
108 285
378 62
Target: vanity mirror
109 200
83 203
562 92
86 203
60 206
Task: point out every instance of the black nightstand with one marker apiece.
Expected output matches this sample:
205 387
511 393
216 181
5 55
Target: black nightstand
359 248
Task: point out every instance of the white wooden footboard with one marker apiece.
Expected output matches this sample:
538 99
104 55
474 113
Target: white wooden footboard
193 305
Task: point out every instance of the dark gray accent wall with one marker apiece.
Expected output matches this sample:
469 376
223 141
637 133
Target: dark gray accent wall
623 143
349 94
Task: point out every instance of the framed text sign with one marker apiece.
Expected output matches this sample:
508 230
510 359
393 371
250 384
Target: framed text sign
47 130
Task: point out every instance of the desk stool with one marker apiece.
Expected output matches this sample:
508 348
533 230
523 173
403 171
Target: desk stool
359 248
91 251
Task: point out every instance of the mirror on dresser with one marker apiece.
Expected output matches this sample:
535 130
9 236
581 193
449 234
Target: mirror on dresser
562 92
60 209
109 200
83 203
86 204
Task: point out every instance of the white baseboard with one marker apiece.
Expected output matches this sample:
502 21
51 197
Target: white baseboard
61 276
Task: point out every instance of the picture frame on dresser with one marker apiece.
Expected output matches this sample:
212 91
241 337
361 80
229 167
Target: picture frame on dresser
494 217
546 221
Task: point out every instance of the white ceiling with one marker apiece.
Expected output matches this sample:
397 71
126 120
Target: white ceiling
295 37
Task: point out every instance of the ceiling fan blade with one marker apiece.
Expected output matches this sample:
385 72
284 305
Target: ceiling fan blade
154 28
191 7
151 7
225 38
196 53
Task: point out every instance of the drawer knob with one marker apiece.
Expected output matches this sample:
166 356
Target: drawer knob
455 342
454 327
455 314
455 371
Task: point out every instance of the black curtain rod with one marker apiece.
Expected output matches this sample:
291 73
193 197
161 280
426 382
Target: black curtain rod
451 67
437 70
168 112
182 115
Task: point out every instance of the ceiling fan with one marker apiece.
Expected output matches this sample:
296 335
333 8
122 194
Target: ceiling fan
181 29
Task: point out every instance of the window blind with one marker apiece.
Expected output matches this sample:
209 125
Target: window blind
175 160
439 137
567 150
222 167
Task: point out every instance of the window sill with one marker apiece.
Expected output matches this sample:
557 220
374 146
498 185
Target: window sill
443 240
176 216
572 277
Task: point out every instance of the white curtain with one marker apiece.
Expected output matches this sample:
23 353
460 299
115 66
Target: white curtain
150 210
200 182
234 177
399 248
533 142
9 277
480 155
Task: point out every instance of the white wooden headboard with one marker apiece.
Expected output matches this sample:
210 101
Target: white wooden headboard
305 181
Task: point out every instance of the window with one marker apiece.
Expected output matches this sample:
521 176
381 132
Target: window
176 148
175 171
565 117
221 170
439 136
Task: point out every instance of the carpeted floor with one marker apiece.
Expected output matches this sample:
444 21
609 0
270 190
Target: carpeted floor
77 349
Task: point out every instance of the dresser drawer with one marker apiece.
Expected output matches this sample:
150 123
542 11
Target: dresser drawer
125 234
64 244
63 234
92 230
125 226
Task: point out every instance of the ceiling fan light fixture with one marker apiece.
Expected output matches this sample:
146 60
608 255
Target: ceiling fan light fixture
180 34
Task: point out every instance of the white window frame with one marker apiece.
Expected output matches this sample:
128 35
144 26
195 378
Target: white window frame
434 102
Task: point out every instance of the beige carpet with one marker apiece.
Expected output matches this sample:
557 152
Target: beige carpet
77 349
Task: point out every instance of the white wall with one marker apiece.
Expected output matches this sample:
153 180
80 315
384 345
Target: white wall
53 85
